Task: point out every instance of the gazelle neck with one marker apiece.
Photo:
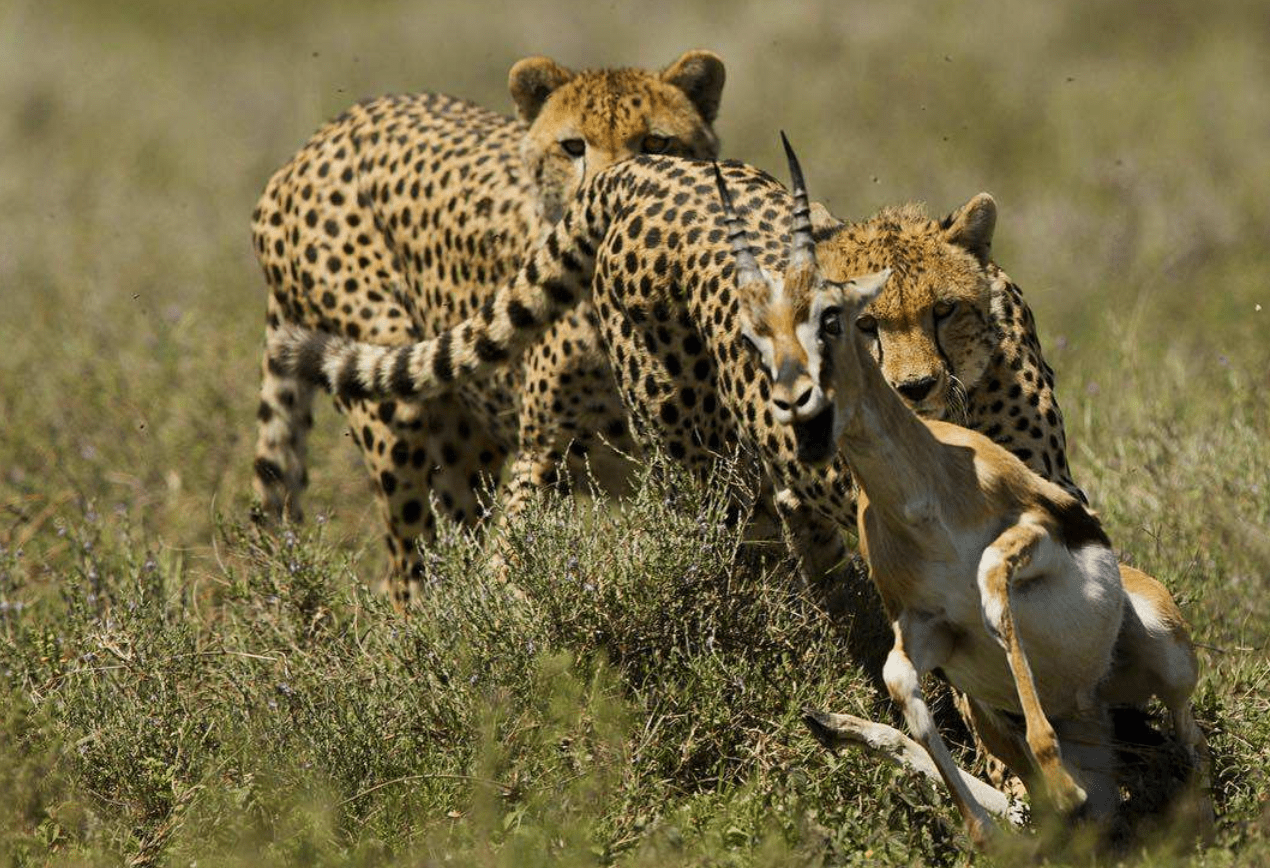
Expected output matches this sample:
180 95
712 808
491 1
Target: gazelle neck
895 458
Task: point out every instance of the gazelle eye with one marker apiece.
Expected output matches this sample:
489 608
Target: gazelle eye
831 322
944 309
655 144
573 147
867 324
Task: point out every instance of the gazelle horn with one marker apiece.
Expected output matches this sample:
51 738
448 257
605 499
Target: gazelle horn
802 248
747 270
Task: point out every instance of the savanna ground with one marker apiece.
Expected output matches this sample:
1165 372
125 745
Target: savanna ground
175 687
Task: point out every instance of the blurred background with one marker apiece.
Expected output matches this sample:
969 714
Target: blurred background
1125 143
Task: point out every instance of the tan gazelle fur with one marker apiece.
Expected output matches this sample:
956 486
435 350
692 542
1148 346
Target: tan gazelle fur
998 579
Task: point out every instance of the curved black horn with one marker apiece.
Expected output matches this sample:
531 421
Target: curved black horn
802 248
747 270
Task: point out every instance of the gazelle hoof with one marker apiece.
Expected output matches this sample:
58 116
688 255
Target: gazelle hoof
983 834
1068 796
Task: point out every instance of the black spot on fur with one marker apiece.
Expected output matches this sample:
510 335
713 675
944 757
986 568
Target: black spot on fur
558 292
268 470
519 315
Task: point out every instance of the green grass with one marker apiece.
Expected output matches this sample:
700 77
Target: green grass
176 688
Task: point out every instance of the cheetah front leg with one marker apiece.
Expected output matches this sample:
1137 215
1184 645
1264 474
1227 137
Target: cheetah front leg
425 459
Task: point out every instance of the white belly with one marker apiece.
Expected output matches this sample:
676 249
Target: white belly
1066 610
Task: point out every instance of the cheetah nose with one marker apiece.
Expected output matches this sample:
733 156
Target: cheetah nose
799 402
916 390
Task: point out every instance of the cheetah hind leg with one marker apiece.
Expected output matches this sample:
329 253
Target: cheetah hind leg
284 419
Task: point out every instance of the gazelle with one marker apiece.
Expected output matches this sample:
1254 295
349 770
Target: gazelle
996 578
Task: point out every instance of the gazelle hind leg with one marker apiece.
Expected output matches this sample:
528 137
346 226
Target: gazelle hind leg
1188 733
998 568
999 740
1156 656
1089 754
903 683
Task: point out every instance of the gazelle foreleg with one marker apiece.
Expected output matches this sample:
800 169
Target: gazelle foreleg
928 644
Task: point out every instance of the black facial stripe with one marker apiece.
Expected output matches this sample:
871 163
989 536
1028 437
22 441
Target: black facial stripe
826 369
939 348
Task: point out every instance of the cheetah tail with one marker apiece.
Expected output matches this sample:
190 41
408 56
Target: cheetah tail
359 371
555 278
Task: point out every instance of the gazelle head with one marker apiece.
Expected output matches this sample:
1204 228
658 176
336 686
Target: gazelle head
790 322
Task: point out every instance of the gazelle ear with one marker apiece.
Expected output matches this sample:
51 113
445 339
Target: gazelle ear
971 227
867 287
700 75
821 219
531 81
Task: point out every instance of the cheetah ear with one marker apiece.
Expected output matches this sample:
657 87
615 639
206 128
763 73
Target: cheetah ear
971 226
531 81
700 75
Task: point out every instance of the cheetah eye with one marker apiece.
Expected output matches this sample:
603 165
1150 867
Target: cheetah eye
574 147
944 309
831 322
749 344
655 144
867 324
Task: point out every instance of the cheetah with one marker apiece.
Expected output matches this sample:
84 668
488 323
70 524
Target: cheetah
400 219
645 244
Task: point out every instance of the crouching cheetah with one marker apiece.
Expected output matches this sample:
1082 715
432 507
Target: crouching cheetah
399 220
952 331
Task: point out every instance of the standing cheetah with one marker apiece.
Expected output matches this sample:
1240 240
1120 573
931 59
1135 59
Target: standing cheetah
400 219
651 233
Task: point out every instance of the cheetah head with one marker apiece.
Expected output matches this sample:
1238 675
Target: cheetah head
931 329
579 123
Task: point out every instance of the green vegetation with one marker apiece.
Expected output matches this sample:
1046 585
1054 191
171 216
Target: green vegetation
176 688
